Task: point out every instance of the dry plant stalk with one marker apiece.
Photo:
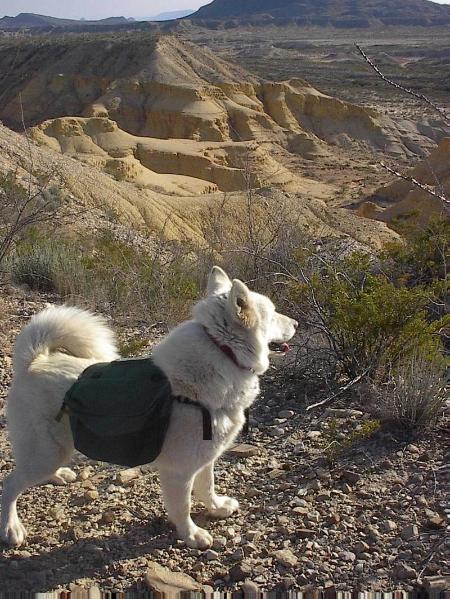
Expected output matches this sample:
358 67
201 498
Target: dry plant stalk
411 92
417 183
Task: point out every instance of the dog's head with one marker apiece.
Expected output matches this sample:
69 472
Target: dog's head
245 320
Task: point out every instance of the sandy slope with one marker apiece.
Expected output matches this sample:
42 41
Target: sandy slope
103 196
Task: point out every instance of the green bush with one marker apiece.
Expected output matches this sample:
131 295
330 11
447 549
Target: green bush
369 322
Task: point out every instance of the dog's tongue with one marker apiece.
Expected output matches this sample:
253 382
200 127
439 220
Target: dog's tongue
285 348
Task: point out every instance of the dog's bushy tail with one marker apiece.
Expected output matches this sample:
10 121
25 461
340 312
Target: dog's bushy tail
67 329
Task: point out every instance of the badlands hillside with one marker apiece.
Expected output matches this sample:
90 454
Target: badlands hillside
342 14
166 127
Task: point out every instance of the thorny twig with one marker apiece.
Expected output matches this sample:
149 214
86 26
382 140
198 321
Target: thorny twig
430 557
420 97
417 183
342 390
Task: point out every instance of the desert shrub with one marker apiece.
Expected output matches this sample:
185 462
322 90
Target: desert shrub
336 441
423 255
422 259
159 282
414 396
25 204
367 321
251 236
110 275
46 265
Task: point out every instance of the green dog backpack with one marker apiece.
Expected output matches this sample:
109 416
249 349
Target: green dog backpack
120 411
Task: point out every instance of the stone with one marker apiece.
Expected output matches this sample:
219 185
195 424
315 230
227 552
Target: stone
108 516
125 476
249 587
244 450
85 473
434 520
351 476
219 542
165 581
409 532
238 555
347 556
436 583
276 431
388 526
404 572
240 571
412 448
286 414
361 547
252 535
90 495
210 554
313 435
286 558
301 511
323 496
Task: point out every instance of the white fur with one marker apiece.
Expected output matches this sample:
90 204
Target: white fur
60 342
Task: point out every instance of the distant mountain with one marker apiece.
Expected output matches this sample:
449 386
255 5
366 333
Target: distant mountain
337 13
30 21
174 14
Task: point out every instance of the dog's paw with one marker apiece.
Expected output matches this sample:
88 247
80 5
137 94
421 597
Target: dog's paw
63 476
198 538
223 506
14 533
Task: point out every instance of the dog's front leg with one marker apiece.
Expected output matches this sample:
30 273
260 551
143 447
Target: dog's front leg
177 489
220 506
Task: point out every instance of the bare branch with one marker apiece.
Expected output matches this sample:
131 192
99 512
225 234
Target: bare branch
417 183
342 390
420 97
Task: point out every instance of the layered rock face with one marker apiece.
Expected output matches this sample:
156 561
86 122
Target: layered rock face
177 166
403 198
168 89
96 195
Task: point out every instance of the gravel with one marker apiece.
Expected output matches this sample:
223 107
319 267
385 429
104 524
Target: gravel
373 520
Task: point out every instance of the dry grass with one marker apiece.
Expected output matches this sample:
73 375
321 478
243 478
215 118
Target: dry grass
414 397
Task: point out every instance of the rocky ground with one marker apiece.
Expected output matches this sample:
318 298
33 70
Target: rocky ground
369 517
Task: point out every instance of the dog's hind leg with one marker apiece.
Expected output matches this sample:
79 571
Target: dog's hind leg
177 489
219 506
36 463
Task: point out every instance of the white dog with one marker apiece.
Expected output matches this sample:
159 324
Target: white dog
214 359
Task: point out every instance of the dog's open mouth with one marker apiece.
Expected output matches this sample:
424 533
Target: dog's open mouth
279 348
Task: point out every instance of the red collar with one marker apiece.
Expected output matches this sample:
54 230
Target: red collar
228 351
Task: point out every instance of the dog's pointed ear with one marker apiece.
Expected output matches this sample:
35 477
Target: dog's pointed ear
218 281
240 304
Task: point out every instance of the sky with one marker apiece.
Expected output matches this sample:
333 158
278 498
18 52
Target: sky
98 9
